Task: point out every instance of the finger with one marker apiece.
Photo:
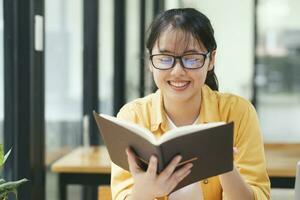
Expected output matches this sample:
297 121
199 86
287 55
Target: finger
183 170
152 167
133 166
177 178
166 173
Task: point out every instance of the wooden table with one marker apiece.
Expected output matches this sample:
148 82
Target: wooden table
281 164
91 166
88 166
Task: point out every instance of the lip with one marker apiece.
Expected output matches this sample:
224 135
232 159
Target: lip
179 85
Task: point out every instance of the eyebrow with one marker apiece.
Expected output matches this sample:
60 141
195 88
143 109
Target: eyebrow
186 51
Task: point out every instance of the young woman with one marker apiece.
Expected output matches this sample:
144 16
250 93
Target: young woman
182 52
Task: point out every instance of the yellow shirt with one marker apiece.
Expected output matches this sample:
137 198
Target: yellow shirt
215 106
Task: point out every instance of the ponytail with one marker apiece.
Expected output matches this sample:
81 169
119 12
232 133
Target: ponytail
212 80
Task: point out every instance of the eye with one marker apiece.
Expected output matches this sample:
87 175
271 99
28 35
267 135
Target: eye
165 59
191 61
193 58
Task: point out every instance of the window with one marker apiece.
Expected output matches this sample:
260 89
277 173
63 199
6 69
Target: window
132 51
106 59
63 77
278 69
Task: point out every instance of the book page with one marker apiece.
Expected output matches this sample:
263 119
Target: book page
134 128
185 130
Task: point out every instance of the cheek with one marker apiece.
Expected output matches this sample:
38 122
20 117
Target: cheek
158 77
199 77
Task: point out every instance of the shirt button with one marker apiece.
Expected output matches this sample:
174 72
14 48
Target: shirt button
205 181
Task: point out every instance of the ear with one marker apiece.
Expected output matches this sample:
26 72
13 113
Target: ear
212 59
149 61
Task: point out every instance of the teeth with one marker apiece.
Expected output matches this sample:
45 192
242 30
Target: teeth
179 84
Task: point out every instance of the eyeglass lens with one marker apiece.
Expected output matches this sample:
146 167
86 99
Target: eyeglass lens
189 61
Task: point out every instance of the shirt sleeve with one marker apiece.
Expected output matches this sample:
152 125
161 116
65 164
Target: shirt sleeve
250 159
121 180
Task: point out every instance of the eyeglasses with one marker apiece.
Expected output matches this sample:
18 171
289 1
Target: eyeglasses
188 61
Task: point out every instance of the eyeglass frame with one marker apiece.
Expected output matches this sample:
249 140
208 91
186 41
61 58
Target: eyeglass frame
180 60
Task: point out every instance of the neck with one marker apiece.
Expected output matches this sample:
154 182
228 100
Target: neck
183 113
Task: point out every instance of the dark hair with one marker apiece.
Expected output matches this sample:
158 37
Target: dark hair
190 21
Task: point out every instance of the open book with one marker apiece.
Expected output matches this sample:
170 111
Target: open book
208 146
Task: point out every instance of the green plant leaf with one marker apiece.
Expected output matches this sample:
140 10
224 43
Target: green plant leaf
15 193
1 155
6 155
2 181
11 185
3 196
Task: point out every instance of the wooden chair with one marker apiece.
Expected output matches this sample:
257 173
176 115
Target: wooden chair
104 193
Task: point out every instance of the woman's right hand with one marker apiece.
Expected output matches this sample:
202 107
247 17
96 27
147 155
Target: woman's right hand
148 184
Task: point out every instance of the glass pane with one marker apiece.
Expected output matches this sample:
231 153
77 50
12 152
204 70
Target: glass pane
106 62
1 73
149 82
278 69
63 76
133 55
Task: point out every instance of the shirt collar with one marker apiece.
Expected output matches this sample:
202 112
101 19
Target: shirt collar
208 110
159 117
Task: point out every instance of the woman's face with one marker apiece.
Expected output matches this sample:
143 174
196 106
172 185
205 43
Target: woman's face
179 84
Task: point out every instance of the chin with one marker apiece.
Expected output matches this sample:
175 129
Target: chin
179 97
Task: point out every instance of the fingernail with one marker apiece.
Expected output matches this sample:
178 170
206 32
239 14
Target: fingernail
190 165
235 150
179 158
153 159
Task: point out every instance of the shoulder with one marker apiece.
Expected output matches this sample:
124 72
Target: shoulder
232 106
232 101
138 104
138 109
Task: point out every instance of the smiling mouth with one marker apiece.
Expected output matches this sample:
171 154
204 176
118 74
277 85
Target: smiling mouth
179 84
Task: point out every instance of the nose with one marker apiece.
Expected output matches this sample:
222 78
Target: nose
178 69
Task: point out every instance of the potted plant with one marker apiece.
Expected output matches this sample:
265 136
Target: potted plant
7 187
